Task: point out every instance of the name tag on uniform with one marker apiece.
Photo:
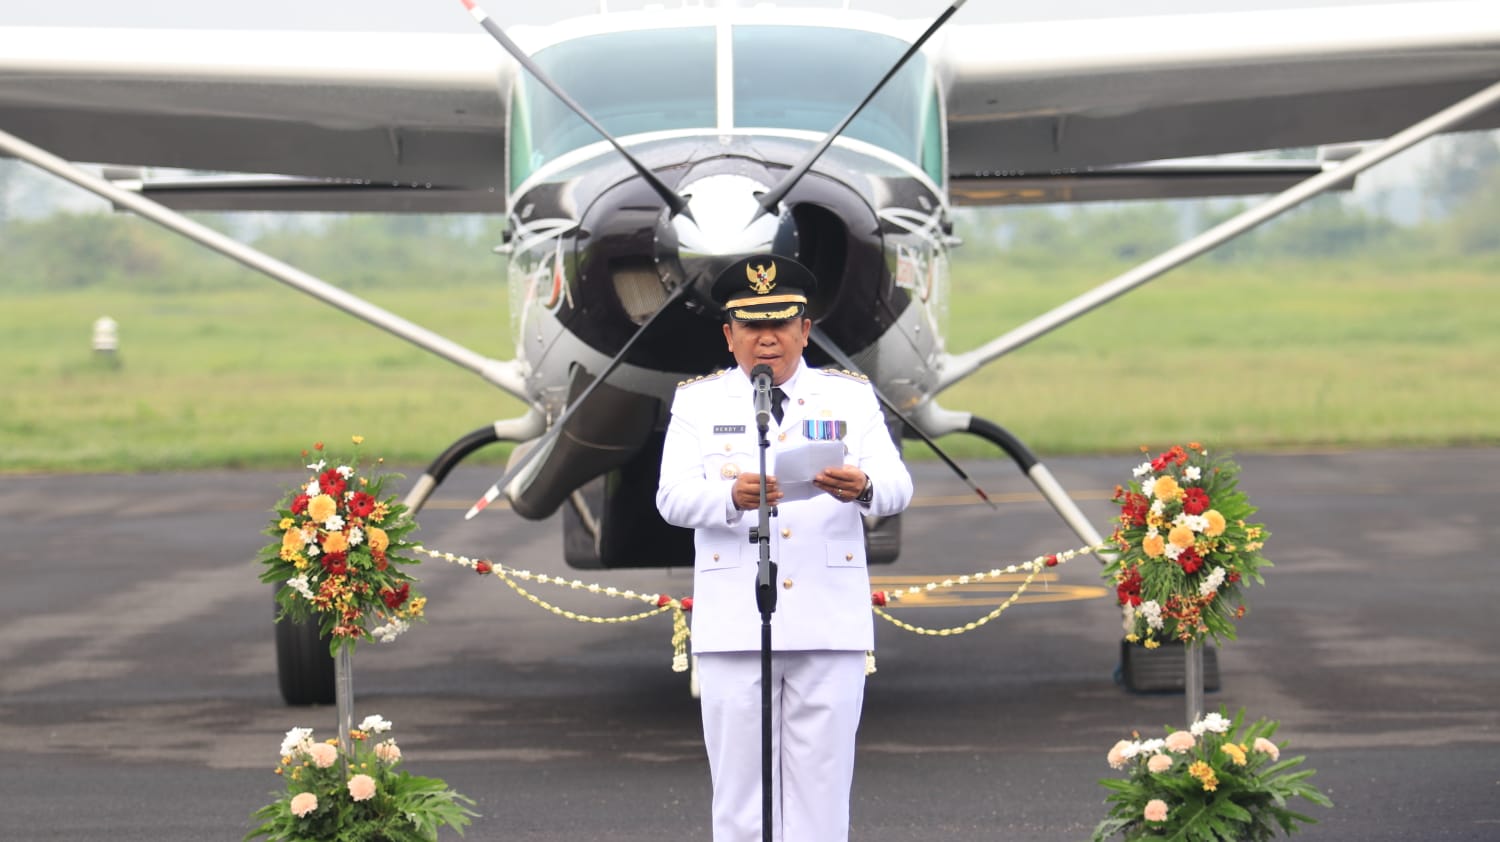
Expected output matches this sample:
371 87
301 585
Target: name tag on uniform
824 430
728 429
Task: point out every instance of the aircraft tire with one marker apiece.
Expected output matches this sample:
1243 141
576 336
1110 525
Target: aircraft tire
303 665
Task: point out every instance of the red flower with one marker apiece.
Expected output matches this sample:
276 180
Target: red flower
1195 501
380 563
334 563
662 600
1129 589
878 599
1234 576
1051 560
483 567
1135 509
687 603
361 504
394 597
299 504
332 483
1190 560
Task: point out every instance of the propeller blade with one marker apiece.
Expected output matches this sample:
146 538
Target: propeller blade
675 202
770 198
821 339
545 445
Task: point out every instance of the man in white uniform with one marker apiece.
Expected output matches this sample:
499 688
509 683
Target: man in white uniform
823 625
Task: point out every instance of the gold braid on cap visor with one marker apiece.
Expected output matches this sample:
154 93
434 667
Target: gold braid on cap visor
767 316
766 299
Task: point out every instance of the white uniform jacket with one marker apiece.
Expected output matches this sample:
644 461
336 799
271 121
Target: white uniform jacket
823 584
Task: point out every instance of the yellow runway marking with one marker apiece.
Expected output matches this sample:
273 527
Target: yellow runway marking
916 503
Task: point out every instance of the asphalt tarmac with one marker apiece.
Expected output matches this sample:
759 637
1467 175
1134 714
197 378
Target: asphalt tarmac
138 694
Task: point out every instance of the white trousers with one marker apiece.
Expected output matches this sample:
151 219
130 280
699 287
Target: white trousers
815 705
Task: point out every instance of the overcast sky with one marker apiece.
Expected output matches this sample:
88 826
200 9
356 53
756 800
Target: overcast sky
450 16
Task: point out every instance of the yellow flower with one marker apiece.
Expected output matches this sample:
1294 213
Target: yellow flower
286 523
1166 489
335 542
1204 773
1153 546
377 539
1151 643
321 508
1215 522
1236 753
358 439
1181 537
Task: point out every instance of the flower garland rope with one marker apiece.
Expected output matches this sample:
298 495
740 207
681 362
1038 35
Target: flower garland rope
663 603
1034 568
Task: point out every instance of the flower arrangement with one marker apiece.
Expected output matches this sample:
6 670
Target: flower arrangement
362 797
1218 780
338 551
1186 550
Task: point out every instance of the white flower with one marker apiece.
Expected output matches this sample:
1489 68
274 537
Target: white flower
1142 469
1130 750
1192 473
1212 583
1171 551
313 489
356 536
318 465
299 584
1197 523
1158 507
375 723
345 471
335 523
296 741
1150 610
1211 722
313 550
1148 487
1129 613
1153 746
390 631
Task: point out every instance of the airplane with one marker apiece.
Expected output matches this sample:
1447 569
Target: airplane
703 134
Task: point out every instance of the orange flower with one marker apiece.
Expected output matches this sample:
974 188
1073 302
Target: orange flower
1215 522
1180 536
1154 546
291 541
1205 773
321 508
377 539
1167 489
335 542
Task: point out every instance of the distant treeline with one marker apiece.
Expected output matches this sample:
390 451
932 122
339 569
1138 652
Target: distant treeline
78 250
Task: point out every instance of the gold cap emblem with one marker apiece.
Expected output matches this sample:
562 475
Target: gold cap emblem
762 278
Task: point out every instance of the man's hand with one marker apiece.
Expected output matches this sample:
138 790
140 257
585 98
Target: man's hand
844 482
746 491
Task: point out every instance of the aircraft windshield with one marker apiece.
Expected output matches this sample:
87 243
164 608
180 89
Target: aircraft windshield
793 77
631 82
785 77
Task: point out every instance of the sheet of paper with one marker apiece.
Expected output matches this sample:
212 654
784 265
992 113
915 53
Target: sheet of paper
796 467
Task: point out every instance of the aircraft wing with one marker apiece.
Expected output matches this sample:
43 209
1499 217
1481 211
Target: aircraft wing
1073 97
388 112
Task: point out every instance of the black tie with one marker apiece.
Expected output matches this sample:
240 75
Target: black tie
777 396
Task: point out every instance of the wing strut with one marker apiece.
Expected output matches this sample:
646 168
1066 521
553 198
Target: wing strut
959 366
770 198
674 201
505 374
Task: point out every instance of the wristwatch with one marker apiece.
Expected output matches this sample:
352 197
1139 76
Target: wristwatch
869 493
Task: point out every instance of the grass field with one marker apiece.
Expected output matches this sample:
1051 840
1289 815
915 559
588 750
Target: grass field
1348 354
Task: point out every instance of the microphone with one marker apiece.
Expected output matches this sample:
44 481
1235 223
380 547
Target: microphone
760 377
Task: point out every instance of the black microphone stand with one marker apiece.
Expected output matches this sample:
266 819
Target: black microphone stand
765 600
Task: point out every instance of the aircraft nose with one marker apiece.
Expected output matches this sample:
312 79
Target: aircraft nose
721 226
